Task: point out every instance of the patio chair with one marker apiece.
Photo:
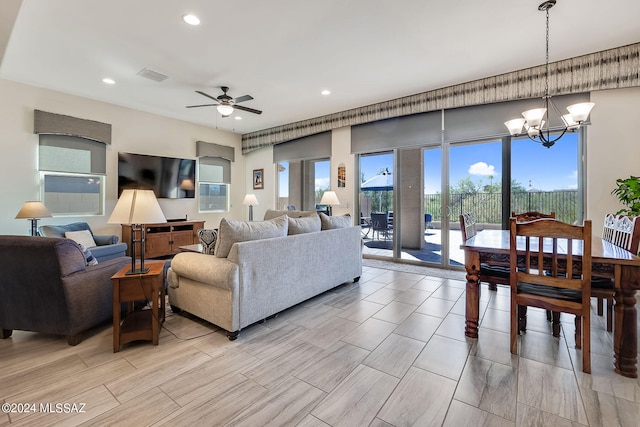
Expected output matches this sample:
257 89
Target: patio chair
380 223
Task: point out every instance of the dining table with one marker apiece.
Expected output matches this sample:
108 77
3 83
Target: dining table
608 260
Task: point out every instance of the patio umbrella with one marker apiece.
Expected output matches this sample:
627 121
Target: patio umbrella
381 182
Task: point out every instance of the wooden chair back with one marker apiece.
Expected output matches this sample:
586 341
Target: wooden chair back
532 215
468 226
609 228
627 233
549 249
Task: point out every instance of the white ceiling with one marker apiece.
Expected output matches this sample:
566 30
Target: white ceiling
284 52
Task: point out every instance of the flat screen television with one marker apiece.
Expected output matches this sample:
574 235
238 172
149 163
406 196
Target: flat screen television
168 177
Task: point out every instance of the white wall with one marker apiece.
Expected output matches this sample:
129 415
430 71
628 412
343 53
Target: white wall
341 153
613 149
132 131
260 159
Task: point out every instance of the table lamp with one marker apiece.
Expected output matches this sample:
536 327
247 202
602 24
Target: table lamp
137 207
329 198
251 201
33 210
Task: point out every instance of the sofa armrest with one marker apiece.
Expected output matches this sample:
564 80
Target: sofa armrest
207 269
106 239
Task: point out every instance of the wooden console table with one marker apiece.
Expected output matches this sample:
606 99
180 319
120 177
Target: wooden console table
142 324
164 239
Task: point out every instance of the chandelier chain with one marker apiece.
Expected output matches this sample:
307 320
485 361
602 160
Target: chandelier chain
546 86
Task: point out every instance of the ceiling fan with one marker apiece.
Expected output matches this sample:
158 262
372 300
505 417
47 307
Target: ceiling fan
226 104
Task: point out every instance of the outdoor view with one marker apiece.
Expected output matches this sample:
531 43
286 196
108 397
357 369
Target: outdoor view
542 179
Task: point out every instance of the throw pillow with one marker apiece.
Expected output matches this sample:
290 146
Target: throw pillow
231 231
82 237
306 224
208 239
272 213
88 256
331 222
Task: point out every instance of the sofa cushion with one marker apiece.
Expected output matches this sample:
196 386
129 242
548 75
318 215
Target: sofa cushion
208 237
332 222
272 213
82 237
231 231
305 224
88 256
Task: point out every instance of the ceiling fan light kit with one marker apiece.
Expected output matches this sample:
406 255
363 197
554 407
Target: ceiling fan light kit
226 105
533 120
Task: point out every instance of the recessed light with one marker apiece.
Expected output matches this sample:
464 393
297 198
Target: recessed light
326 92
108 81
191 19
238 118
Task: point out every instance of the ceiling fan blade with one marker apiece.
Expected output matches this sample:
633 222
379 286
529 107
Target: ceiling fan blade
207 95
250 110
243 98
202 105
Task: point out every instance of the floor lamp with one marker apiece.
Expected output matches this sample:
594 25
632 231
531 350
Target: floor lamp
33 210
137 207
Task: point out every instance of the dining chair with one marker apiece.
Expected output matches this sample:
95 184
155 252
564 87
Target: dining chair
532 215
494 275
548 249
624 232
554 318
380 223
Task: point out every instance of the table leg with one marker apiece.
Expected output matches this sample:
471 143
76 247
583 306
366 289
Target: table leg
472 311
625 333
116 317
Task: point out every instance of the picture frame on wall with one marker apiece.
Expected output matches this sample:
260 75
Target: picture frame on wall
258 179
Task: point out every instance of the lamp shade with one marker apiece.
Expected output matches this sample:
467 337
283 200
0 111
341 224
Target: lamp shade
250 200
329 198
580 111
33 209
137 207
225 110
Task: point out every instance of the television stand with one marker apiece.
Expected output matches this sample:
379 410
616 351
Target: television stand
164 239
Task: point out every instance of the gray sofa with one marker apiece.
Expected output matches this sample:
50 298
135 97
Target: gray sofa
259 278
107 245
47 287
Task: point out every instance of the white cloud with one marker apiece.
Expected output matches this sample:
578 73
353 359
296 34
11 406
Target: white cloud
323 183
481 168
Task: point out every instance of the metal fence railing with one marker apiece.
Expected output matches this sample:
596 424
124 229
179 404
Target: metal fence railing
487 207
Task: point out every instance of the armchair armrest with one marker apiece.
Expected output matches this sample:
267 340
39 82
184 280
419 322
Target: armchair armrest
107 239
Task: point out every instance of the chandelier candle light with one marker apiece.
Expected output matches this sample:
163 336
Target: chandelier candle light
534 120
137 207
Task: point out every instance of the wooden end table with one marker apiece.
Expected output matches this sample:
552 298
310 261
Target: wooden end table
142 324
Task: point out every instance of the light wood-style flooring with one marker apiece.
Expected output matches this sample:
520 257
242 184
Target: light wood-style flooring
387 351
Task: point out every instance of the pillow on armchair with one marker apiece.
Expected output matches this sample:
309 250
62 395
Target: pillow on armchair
208 239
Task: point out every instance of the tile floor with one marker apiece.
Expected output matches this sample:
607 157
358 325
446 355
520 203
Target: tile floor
387 351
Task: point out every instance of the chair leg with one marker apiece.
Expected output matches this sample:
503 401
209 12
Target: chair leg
522 318
548 315
578 335
609 314
493 287
599 306
555 323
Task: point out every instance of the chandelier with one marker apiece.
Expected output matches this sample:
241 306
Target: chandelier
533 121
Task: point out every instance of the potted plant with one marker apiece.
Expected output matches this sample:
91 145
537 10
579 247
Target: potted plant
628 192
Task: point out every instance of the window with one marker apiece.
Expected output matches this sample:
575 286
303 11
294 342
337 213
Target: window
72 173
214 178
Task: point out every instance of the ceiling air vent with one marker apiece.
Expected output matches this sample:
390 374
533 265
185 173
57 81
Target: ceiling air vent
153 75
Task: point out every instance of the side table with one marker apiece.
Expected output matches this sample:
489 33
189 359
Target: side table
142 324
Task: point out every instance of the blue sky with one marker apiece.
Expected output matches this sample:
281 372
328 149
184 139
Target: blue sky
534 166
